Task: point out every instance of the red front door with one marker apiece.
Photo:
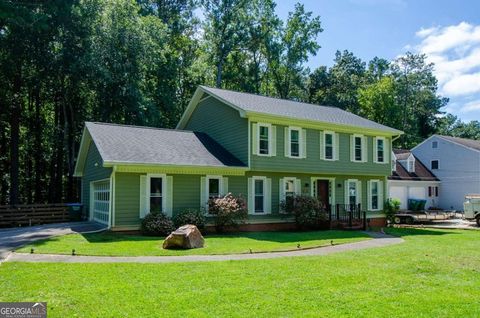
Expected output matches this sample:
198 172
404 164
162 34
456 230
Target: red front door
323 192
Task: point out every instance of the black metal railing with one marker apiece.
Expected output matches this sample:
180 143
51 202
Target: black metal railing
348 214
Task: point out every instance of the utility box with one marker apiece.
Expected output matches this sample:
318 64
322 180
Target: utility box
75 211
471 207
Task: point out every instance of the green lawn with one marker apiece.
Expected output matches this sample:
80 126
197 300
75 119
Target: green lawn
112 244
435 273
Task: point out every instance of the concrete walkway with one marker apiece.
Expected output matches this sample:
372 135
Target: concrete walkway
379 240
15 237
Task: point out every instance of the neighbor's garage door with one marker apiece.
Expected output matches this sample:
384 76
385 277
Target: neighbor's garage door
400 193
101 201
417 193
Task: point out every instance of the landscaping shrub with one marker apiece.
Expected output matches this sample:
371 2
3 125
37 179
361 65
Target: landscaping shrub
416 205
308 211
157 224
190 216
392 206
227 211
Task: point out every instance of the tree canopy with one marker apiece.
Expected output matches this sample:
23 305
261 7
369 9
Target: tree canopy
64 62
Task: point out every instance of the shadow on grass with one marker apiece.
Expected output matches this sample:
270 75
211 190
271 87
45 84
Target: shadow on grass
291 237
110 237
279 237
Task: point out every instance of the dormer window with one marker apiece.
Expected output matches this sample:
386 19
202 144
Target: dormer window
411 164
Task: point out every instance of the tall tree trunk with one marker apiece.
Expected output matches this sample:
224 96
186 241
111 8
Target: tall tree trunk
27 178
4 166
39 164
219 73
16 111
70 145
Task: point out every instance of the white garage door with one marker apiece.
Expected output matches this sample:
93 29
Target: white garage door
417 193
100 205
399 193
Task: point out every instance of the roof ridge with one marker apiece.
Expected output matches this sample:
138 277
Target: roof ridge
455 137
277 98
232 97
137 126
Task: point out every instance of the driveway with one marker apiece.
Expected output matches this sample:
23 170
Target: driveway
458 224
16 237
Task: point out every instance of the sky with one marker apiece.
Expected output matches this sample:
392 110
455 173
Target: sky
447 31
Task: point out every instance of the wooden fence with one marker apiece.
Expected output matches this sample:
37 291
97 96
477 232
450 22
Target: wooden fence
33 214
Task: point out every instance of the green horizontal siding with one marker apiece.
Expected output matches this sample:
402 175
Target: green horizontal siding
313 164
186 192
127 199
339 187
223 124
93 171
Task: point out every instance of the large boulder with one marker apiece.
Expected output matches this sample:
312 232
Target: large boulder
187 236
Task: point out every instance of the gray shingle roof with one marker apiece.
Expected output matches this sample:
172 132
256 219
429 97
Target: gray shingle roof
145 145
296 110
470 143
402 154
421 171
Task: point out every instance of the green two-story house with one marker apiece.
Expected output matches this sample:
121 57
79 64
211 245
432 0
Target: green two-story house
262 148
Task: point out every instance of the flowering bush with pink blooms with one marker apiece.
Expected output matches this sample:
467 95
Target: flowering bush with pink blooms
227 211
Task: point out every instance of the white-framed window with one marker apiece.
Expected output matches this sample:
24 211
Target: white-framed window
358 148
259 195
375 195
289 187
353 192
212 186
380 150
156 194
264 139
411 165
264 136
329 145
434 165
434 144
295 142
433 191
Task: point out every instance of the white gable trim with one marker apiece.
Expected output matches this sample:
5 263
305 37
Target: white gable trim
444 139
82 153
